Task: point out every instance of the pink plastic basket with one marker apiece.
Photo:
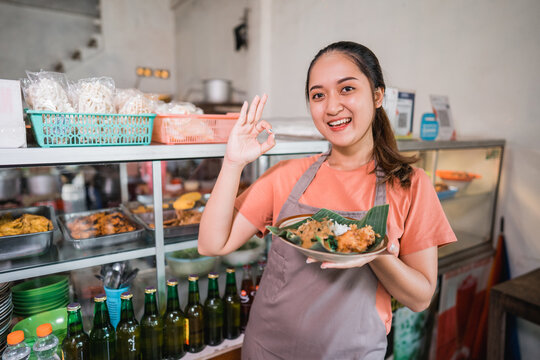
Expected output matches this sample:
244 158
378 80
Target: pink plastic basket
193 129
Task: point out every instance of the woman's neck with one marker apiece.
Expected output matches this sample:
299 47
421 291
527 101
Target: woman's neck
346 159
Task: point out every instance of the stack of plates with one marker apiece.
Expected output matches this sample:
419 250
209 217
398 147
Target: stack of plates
40 294
6 308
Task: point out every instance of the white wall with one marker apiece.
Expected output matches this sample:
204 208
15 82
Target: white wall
135 33
206 48
36 38
483 54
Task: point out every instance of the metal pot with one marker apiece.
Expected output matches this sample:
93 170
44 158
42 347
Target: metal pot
10 184
43 184
217 91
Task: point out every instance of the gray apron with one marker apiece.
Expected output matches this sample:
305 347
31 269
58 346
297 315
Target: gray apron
304 312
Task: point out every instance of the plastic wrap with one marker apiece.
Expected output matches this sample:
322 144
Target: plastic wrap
46 90
94 95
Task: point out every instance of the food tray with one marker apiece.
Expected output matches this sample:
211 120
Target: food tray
168 232
54 129
16 246
101 241
193 129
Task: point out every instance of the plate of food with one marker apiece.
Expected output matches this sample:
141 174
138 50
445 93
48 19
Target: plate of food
328 236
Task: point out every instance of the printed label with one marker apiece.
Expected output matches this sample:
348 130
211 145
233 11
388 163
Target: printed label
186 330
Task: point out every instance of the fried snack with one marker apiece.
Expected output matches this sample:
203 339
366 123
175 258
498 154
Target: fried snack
183 217
356 240
309 230
26 224
350 239
187 200
99 224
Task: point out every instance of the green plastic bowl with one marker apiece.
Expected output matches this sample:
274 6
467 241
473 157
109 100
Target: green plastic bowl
39 285
35 308
57 318
44 296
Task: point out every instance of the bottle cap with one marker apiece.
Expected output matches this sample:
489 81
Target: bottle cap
213 275
230 270
193 277
44 330
172 282
15 337
150 290
100 298
73 307
126 295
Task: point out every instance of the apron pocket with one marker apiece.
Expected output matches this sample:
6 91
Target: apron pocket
274 272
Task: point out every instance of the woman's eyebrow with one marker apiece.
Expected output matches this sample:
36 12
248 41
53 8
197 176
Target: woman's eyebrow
339 82
346 79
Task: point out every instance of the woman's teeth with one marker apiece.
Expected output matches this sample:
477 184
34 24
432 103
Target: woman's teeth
340 122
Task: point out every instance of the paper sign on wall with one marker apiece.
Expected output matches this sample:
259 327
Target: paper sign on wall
12 128
441 108
399 107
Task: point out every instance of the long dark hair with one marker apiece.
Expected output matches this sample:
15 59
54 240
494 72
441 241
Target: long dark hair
385 151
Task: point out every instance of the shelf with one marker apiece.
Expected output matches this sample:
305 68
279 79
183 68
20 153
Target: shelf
35 156
62 256
110 154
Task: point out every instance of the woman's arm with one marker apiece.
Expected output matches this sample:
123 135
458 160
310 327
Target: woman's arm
222 229
410 279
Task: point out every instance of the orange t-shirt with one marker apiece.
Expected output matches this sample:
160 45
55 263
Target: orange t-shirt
416 220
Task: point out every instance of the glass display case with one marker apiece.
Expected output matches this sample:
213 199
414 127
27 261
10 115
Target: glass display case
470 205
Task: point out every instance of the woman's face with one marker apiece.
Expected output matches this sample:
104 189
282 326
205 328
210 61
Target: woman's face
341 101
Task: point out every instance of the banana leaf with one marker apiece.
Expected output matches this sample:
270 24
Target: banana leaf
376 217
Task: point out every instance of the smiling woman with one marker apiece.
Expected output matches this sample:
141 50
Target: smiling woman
348 313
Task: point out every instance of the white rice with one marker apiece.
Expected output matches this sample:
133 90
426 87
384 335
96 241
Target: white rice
338 229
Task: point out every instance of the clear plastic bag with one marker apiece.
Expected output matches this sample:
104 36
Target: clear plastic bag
46 90
94 95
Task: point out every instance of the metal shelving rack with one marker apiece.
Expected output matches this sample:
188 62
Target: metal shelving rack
70 259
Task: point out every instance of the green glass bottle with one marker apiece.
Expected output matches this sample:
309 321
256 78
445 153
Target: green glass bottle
128 331
173 324
76 344
102 336
151 327
231 311
213 313
194 317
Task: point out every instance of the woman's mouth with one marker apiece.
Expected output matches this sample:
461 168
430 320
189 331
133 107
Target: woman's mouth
339 124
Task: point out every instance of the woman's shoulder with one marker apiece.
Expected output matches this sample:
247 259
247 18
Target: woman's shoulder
292 166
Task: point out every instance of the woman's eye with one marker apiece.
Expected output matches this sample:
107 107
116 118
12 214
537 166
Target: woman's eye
317 96
347 89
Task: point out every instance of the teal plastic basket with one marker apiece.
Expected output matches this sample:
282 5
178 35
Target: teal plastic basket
53 129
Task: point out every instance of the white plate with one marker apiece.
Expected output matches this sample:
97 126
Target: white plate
327 256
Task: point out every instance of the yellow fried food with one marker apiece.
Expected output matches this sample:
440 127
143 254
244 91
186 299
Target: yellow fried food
187 200
26 224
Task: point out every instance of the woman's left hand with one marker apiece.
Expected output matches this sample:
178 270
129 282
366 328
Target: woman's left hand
392 250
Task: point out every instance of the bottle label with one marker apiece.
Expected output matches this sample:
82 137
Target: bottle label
244 297
186 330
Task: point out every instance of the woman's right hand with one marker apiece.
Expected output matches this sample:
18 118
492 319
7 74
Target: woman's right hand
243 146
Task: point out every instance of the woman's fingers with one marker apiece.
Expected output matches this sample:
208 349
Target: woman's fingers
253 109
260 108
243 113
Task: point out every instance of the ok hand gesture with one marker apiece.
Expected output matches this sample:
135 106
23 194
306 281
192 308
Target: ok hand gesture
243 146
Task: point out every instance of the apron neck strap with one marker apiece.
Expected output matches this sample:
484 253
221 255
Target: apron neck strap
308 176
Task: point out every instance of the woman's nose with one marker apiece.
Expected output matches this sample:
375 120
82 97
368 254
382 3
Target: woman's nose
334 105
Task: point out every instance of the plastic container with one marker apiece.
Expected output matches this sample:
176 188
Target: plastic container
113 303
17 349
53 129
46 346
185 262
193 129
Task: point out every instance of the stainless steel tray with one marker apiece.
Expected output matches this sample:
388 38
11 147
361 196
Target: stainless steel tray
101 241
17 246
168 232
147 218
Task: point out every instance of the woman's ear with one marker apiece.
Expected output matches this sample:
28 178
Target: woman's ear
378 97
